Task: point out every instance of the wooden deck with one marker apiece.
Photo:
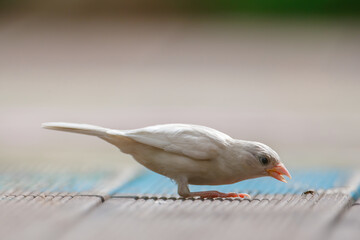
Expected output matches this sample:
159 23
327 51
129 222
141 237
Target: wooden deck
135 205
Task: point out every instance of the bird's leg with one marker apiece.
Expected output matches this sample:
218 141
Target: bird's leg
184 191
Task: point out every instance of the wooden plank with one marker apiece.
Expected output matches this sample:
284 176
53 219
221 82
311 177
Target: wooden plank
266 216
348 226
43 216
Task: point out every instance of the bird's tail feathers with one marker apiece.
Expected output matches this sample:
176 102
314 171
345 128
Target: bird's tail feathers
76 128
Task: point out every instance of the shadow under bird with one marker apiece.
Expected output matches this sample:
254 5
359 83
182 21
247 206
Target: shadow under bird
190 154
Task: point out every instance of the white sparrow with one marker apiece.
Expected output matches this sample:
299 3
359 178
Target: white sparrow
190 154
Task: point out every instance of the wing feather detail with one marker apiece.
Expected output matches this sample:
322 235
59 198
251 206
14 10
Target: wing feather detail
196 142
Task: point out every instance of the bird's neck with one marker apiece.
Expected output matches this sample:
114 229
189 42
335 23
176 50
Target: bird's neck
238 158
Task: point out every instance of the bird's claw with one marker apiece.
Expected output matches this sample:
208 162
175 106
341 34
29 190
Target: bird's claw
240 195
244 195
216 194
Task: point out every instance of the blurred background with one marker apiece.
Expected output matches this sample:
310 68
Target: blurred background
285 73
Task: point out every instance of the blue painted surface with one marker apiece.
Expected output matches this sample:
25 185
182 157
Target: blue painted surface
303 180
152 183
356 194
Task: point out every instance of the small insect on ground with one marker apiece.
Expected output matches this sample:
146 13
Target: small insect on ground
311 191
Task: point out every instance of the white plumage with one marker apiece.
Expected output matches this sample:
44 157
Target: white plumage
196 142
189 154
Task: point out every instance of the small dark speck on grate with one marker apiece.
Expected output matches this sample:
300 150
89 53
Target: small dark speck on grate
312 192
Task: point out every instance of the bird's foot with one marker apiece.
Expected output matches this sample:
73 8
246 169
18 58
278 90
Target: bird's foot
216 194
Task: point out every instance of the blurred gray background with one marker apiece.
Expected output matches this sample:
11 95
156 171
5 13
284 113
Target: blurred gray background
288 78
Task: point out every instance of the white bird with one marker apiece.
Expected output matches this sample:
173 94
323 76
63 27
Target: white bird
190 154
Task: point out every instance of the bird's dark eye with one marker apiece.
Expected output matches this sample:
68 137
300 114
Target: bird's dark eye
264 160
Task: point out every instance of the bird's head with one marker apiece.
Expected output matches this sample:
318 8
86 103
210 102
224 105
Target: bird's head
264 161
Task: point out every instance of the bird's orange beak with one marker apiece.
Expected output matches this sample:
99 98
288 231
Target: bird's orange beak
278 171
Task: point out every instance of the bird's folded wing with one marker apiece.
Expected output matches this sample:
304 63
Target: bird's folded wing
196 142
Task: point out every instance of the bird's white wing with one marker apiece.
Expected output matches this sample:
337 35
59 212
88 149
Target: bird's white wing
193 141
